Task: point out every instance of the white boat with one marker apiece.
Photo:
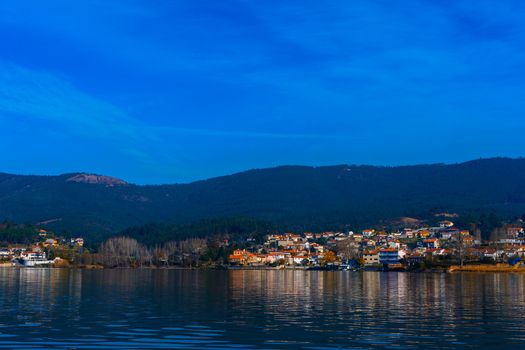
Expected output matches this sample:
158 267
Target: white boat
29 259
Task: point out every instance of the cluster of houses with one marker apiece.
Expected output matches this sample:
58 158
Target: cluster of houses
35 253
289 249
371 248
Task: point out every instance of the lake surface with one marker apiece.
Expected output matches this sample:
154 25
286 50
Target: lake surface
167 309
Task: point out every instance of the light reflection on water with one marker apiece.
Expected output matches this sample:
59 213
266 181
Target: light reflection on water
166 309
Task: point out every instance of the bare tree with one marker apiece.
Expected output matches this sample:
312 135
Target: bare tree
347 249
123 252
160 256
191 250
126 252
145 256
459 246
172 250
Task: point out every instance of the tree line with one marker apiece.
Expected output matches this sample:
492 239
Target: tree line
128 252
11 233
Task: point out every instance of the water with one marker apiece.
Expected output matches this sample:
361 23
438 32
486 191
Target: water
167 309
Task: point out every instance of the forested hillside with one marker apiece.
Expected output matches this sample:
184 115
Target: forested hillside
310 198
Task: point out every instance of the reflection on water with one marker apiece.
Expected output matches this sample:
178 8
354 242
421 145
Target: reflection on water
51 308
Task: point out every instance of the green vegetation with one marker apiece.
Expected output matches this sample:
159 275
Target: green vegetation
292 197
237 228
11 233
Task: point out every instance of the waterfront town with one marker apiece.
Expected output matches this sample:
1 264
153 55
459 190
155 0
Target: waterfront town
411 248
46 249
416 248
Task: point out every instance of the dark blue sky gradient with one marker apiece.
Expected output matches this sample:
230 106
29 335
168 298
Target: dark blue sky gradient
173 91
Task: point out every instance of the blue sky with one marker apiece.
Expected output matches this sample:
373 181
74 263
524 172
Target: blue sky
174 91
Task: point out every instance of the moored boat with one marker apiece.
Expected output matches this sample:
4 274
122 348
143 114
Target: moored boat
31 259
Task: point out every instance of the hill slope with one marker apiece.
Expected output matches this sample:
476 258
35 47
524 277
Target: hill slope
297 196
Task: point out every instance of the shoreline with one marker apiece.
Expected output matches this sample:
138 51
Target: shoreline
487 268
499 268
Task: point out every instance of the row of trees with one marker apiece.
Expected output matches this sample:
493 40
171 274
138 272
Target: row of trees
128 252
15 233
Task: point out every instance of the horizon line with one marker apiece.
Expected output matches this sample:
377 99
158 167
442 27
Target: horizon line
261 168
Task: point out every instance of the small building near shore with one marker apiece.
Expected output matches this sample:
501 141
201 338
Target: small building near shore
388 256
371 258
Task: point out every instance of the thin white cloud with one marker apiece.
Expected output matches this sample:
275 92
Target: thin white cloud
38 94
239 133
44 96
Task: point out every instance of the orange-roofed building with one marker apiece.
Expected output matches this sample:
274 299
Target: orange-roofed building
371 257
242 257
423 234
446 223
368 233
468 240
431 243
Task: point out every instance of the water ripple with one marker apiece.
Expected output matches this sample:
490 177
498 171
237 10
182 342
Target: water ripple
135 309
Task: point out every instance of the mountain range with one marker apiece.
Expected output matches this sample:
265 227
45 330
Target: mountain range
296 197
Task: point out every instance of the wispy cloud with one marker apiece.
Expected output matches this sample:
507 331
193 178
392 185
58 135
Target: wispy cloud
41 95
239 133
44 96
184 82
